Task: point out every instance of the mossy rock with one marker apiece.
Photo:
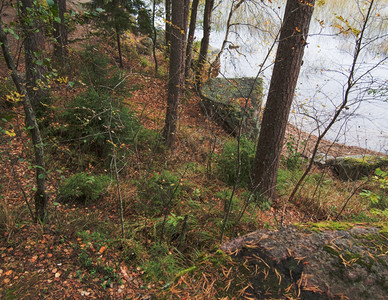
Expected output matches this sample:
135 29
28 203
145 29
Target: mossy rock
224 99
346 263
350 168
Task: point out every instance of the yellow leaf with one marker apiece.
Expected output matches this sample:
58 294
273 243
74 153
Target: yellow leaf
10 133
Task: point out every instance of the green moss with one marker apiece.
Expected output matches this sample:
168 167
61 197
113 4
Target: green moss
384 229
331 250
367 160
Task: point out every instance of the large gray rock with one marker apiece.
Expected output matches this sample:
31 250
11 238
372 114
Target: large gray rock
224 100
307 264
350 168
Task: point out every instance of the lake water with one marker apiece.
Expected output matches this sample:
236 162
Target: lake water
327 61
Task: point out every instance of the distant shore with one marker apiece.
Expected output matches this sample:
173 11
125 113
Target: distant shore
305 143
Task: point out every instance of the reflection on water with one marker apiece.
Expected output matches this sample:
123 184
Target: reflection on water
324 74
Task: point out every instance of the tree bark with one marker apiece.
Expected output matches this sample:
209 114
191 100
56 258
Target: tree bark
60 34
34 72
154 37
190 39
168 23
285 74
175 83
41 198
119 49
204 42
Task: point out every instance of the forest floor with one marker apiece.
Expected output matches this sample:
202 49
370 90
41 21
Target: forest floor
45 259
79 253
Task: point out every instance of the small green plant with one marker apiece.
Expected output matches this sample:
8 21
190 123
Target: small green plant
225 195
158 190
89 117
144 62
97 120
293 159
148 139
379 197
82 187
172 227
163 264
228 164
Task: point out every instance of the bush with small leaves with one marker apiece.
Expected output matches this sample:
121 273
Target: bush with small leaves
90 117
158 191
228 164
82 187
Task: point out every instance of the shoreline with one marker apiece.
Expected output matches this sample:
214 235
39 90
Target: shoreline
305 142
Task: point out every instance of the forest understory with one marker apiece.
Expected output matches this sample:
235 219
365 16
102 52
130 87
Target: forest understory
159 235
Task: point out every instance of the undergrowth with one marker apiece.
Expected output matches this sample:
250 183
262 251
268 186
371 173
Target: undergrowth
174 208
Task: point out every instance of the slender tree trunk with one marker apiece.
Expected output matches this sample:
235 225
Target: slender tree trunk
168 23
60 32
204 42
119 49
41 198
217 61
190 39
175 84
281 92
154 37
33 53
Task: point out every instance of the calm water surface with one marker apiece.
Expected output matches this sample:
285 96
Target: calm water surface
322 82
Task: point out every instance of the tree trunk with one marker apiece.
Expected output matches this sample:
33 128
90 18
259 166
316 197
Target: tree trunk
168 23
154 37
60 32
41 198
204 42
175 83
119 49
190 39
33 53
285 74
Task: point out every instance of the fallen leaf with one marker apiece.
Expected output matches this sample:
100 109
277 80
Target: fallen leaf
124 271
6 280
102 249
9 272
57 275
54 270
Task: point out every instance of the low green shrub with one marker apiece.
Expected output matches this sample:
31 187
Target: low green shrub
378 194
163 264
158 191
96 120
293 159
228 165
148 139
82 187
90 116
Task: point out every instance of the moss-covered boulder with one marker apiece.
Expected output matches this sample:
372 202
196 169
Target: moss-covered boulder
330 261
233 102
351 168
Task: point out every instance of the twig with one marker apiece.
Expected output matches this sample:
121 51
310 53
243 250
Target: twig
347 200
21 189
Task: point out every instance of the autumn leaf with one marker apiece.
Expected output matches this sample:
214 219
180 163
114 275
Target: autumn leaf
102 249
